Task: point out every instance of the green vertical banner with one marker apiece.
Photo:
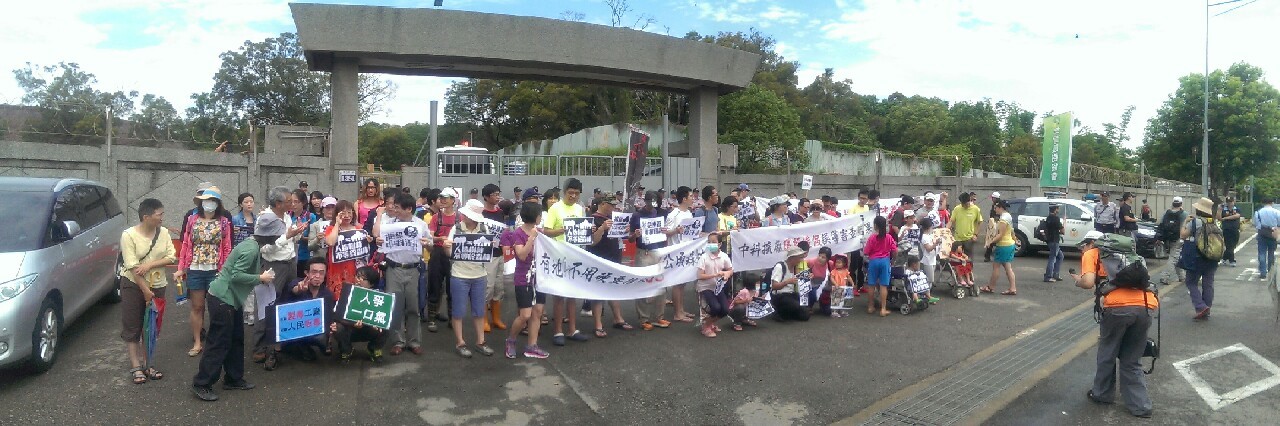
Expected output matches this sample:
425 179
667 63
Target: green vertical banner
1055 170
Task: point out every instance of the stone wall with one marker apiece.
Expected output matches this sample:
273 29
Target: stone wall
170 175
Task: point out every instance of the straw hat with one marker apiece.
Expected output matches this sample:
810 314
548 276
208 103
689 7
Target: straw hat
210 193
1203 205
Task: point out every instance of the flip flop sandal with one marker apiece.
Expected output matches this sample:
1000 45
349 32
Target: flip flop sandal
194 352
601 334
1009 293
153 374
986 290
623 326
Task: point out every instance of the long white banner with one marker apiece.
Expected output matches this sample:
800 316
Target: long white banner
761 248
570 271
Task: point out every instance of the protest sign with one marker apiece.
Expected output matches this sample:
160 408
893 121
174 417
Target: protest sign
241 233
692 226
371 306
299 319
577 230
761 248
806 183
804 282
651 230
351 245
473 248
621 225
569 271
760 307
842 298
401 237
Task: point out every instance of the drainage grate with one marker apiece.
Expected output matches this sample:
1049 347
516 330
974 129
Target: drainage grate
953 398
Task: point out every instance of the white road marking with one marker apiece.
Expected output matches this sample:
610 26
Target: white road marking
1247 274
1242 243
1217 401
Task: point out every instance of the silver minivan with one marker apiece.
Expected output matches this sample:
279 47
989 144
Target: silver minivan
59 244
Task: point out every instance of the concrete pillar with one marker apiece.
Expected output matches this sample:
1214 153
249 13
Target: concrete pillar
703 144
343 128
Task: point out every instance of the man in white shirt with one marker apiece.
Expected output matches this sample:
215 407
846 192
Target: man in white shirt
1106 215
681 212
280 257
402 272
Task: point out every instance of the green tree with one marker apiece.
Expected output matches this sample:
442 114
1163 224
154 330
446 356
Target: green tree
775 72
158 119
386 145
834 113
71 109
976 126
765 128
915 124
269 82
1244 116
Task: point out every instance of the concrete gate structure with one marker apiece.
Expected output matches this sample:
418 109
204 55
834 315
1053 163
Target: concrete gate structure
348 40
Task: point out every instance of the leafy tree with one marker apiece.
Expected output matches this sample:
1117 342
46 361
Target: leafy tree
71 109
775 72
268 82
386 145
834 113
976 126
916 123
158 119
765 128
1244 118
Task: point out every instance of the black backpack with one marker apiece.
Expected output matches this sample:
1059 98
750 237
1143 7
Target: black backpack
1040 230
1170 224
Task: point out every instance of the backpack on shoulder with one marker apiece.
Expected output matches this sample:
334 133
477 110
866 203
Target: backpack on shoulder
1039 231
1209 241
1124 266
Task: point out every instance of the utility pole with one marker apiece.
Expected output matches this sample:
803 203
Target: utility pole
1204 144
109 107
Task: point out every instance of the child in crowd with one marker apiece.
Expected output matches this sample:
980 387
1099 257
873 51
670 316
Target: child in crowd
738 306
529 301
962 265
840 280
819 266
918 283
714 270
910 235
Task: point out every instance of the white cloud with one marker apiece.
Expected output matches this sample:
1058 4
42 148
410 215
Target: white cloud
779 14
1092 57
189 39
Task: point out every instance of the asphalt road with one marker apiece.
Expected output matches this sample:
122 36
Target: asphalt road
1243 322
780 373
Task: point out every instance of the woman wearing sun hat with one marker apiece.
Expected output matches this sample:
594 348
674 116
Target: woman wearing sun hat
1200 271
206 243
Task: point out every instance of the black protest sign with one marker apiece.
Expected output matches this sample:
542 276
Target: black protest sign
577 230
351 245
473 248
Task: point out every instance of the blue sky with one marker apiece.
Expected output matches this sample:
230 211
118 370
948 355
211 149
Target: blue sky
1092 57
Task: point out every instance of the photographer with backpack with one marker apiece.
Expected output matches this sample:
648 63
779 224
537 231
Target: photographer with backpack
1202 248
1125 317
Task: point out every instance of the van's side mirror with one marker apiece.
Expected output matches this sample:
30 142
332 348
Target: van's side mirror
66 230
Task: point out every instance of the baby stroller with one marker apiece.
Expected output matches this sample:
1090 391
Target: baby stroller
899 290
956 268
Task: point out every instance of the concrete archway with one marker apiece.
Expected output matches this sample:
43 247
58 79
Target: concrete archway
348 40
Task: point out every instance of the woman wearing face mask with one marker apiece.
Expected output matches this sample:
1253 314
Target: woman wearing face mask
206 243
714 271
242 221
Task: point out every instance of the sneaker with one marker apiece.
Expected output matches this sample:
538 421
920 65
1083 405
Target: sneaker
533 351
375 355
431 326
933 300
463 351
511 348
646 326
558 339
1233 264
579 336
204 393
485 349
